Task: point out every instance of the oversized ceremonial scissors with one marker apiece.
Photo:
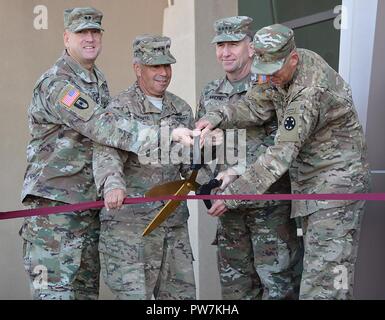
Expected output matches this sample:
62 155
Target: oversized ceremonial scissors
180 188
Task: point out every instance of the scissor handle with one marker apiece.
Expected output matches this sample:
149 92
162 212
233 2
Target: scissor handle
197 161
196 166
206 189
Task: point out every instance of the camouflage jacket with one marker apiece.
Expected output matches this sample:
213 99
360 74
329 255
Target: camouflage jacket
258 138
67 112
319 138
117 169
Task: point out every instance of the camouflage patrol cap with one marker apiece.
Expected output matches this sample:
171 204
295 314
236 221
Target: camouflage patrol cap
272 45
78 19
152 50
232 29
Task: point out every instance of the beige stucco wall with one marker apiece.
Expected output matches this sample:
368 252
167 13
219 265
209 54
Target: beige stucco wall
190 25
26 53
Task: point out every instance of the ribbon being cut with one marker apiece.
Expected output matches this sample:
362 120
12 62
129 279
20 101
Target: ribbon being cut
178 198
177 191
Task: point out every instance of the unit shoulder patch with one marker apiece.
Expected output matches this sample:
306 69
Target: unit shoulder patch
289 123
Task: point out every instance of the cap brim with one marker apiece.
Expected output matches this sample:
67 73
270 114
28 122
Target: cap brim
159 60
259 67
88 25
228 37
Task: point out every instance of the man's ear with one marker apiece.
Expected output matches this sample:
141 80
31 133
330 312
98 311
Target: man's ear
137 69
250 49
65 38
294 59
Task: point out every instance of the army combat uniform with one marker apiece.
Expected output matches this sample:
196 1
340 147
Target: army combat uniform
321 142
258 250
65 115
158 265
259 254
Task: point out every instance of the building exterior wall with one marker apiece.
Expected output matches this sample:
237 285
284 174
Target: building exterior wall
26 53
367 73
190 25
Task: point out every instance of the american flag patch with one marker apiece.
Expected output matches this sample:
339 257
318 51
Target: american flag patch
70 97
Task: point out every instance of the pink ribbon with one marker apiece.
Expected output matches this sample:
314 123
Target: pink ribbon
82 206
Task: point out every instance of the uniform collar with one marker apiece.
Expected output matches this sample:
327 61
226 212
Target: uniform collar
82 72
231 88
148 107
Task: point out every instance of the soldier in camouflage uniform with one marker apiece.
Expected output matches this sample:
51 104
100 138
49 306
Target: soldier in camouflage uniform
320 141
67 112
258 249
158 265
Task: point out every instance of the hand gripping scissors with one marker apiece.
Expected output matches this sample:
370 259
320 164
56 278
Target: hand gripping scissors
180 188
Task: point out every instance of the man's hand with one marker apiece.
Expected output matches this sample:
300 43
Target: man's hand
227 176
214 138
205 126
202 124
114 199
183 136
217 209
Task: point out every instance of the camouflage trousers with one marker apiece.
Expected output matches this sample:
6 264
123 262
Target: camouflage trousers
331 242
159 265
259 254
60 253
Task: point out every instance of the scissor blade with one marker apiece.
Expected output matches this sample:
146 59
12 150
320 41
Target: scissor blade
169 188
165 189
163 214
168 208
187 186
